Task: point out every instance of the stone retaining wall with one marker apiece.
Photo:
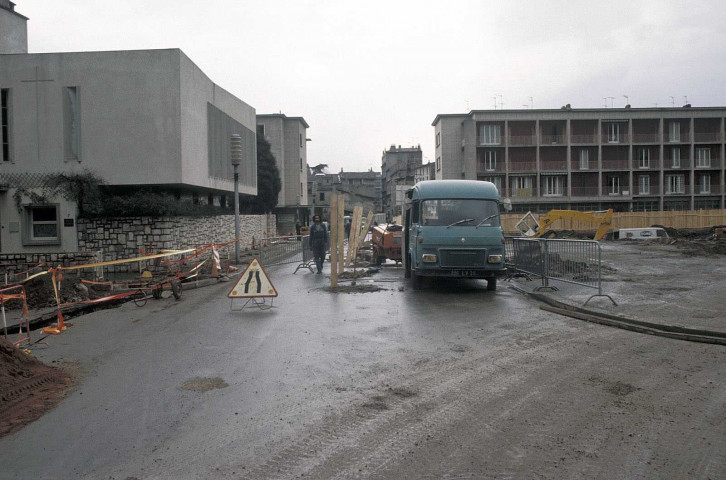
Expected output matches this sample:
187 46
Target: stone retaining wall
117 238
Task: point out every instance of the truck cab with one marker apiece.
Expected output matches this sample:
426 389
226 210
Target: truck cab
452 229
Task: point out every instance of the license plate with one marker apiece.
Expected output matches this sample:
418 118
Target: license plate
465 273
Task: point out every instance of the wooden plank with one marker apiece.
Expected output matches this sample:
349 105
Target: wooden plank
333 241
353 234
341 233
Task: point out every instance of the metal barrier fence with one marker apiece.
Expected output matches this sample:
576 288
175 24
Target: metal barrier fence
577 262
281 250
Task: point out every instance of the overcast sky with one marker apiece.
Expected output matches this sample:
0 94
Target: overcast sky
366 75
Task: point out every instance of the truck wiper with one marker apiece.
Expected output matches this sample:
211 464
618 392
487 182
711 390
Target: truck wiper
488 218
463 220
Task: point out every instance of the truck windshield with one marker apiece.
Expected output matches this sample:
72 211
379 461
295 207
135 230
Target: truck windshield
460 212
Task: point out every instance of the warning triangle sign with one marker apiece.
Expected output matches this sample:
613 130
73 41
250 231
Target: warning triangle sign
253 283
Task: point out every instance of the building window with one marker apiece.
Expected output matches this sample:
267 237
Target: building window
301 164
554 186
522 186
322 196
261 131
490 161
613 185
674 131
644 158
703 157
613 133
675 157
5 124
301 144
489 135
675 184
71 123
497 181
438 139
41 225
438 163
705 183
644 184
584 159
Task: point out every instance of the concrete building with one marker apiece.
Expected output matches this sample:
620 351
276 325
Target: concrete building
425 172
135 118
638 159
398 166
13 29
364 188
288 141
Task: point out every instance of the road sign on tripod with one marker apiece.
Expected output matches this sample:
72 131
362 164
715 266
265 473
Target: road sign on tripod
255 286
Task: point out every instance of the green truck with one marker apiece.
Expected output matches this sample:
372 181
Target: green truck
452 229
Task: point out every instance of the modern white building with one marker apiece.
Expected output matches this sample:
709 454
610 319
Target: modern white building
147 118
288 142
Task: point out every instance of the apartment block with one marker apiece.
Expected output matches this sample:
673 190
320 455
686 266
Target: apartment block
398 168
628 159
288 142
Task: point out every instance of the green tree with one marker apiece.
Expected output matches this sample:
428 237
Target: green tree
268 181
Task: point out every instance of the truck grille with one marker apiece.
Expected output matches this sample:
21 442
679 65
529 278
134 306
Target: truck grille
463 258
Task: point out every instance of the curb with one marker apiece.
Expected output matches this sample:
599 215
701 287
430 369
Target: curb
617 321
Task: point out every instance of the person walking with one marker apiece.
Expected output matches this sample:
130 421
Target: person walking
318 242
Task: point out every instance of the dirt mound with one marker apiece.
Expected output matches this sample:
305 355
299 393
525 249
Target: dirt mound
28 388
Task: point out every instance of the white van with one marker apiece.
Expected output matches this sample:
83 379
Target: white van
642 233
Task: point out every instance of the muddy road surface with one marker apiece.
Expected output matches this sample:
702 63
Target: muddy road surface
450 382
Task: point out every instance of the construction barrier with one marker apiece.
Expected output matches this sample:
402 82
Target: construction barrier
16 292
281 250
577 262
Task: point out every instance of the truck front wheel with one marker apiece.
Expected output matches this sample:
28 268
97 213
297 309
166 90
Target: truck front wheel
492 284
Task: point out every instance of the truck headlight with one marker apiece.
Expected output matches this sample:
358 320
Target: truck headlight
494 259
428 258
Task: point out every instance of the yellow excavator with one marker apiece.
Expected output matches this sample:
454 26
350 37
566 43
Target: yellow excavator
530 227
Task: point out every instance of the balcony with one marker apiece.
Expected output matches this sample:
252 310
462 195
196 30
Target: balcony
522 166
552 140
713 190
653 164
615 164
481 168
620 139
523 192
714 137
585 192
650 191
522 140
490 142
554 166
646 138
682 138
682 164
583 139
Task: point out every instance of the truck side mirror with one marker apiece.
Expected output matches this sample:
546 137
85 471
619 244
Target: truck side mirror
506 203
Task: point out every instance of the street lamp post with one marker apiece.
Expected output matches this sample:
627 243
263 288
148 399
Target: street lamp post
235 144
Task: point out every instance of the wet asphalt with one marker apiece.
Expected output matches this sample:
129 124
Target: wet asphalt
285 367
320 361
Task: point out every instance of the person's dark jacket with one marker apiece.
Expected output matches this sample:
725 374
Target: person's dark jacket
318 237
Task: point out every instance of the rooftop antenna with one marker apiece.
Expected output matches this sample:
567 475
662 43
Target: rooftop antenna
627 100
605 102
656 104
467 105
501 102
531 102
495 102
611 101
673 101
685 99
525 105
